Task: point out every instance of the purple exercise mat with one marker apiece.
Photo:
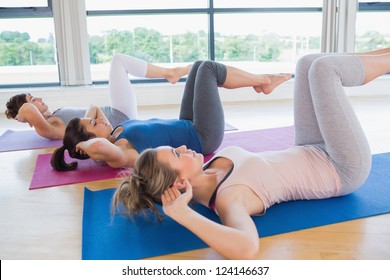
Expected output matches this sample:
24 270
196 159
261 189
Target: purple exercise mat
88 170
25 140
270 139
12 140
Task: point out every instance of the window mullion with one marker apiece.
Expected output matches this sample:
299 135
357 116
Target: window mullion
346 26
329 21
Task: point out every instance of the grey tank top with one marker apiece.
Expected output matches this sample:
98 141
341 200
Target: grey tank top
66 114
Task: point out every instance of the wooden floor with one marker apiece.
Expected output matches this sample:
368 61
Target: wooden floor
46 223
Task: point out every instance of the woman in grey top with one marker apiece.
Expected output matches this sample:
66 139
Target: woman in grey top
123 105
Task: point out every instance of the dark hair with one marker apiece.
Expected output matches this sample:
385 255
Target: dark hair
144 186
74 134
13 105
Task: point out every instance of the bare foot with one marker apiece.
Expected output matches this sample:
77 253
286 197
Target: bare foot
275 80
174 74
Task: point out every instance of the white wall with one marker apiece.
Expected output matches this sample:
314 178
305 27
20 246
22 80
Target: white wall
162 94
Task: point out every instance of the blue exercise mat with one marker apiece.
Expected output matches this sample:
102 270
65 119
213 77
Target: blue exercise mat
119 238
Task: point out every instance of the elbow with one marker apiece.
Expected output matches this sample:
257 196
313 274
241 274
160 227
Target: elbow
246 251
250 252
96 149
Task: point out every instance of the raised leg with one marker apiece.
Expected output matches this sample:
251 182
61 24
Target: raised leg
173 75
122 95
307 130
202 104
121 91
264 83
343 137
375 65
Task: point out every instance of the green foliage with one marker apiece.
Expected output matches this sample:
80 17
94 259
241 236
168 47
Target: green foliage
14 37
371 40
17 49
150 45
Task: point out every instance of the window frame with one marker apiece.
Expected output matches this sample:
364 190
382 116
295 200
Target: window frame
28 12
210 11
374 6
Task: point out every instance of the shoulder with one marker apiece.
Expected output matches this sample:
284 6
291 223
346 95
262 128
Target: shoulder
128 155
124 144
54 121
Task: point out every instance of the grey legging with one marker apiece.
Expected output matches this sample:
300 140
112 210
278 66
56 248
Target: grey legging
202 105
324 117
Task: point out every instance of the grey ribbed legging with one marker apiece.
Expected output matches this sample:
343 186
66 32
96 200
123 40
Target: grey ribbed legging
202 105
324 117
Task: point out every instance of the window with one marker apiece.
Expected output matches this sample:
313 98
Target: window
144 5
256 35
372 22
267 3
27 44
162 39
261 44
23 3
178 32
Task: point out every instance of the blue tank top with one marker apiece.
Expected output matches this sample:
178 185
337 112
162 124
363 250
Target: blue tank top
152 133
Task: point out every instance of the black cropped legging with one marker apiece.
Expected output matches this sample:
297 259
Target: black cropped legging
202 105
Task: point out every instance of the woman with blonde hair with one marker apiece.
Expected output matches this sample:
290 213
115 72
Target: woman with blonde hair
331 158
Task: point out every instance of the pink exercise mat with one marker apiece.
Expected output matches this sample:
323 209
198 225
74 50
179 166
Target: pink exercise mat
88 170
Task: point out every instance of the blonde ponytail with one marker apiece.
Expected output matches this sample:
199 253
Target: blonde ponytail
143 188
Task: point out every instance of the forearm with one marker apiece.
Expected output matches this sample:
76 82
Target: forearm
227 241
98 148
101 149
95 112
28 113
91 112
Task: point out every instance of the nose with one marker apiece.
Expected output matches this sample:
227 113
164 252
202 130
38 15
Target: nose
182 149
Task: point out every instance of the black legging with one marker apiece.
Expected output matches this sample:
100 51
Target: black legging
202 105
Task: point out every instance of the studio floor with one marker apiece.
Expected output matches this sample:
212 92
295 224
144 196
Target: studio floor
47 223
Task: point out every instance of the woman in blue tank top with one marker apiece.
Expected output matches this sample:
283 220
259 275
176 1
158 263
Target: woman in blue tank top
200 125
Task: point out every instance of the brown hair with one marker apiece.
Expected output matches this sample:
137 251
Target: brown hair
74 134
13 105
144 186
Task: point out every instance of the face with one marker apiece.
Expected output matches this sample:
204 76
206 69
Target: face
37 102
97 126
187 162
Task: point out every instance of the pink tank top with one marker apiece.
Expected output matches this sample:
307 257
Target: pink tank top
297 173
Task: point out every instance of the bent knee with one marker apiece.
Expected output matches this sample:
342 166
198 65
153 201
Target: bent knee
356 178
